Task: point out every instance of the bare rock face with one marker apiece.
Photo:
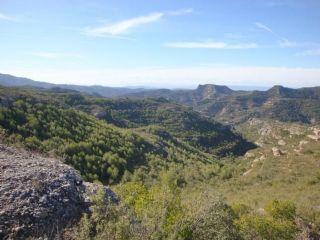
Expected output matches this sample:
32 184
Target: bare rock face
249 155
277 152
316 135
39 196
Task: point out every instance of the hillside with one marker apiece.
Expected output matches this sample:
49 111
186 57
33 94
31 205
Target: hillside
228 106
184 96
284 166
181 122
12 81
106 150
220 102
179 174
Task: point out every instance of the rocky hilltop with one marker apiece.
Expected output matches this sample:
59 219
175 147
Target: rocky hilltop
220 102
233 107
39 195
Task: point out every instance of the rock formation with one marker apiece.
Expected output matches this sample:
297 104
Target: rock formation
39 196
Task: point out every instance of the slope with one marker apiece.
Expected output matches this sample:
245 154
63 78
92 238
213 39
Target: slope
12 81
231 107
59 123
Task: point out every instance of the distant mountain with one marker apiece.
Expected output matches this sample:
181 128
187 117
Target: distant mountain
185 96
230 106
224 104
110 92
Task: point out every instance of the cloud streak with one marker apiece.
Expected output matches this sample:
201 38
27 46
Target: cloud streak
55 55
210 45
6 17
284 42
121 27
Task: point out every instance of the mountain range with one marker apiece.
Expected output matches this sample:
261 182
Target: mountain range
220 102
167 155
12 81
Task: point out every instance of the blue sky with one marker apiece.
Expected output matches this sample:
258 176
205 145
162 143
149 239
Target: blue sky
167 43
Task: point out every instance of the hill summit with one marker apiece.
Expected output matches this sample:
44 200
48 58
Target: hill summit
211 90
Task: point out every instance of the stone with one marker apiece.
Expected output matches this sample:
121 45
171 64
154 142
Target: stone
249 155
247 172
303 142
276 152
314 137
39 195
281 142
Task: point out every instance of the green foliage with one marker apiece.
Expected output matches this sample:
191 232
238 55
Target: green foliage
281 210
109 221
276 224
178 121
226 172
159 207
163 211
266 228
162 154
100 151
240 209
47 122
213 221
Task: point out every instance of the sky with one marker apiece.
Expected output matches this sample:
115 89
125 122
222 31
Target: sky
162 43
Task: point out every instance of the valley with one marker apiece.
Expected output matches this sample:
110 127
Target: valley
160 120
170 158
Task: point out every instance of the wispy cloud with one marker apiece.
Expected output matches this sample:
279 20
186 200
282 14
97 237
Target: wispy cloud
311 52
211 45
55 55
6 17
284 42
121 27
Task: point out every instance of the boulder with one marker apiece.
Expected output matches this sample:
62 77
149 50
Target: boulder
249 155
314 137
39 196
281 142
276 152
302 142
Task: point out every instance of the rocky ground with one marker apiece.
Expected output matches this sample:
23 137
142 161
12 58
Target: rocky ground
38 195
279 140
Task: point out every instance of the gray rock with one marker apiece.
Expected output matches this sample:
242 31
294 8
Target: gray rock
39 195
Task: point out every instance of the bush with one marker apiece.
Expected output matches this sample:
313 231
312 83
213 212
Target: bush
109 221
281 210
213 221
32 143
276 224
266 228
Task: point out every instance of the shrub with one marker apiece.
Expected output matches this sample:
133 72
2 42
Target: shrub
281 210
213 221
276 224
32 143
109 221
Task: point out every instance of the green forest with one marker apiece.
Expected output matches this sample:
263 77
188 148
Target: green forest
165 162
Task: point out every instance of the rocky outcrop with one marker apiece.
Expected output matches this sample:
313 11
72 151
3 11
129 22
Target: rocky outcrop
316 134
249 155
281 142
39 196
277 152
